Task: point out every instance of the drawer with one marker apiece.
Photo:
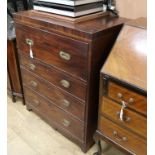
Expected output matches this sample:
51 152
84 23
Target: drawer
60 79
134 100
54 114
122 137
132 120
57 96
59 51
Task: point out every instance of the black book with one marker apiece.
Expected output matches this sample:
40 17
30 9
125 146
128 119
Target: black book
72 11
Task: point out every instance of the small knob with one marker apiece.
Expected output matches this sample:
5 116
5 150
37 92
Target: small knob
119 95
131 100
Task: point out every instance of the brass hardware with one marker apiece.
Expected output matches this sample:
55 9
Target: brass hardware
64 55
65 83
119 95
32 67
125 118
33 84
66 123
29 42
66 103
121 116
36 102
131 100
118 138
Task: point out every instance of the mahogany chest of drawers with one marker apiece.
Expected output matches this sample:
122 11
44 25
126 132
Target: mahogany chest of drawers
122 118
60 63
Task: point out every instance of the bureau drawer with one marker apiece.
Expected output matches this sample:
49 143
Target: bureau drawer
60 51
52 113
132 120
122 137
58 78
57 96
134 100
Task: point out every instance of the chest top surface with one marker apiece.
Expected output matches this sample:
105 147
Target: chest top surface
86 29
128 59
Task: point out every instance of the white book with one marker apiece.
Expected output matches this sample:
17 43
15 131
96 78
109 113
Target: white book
71 2
67 13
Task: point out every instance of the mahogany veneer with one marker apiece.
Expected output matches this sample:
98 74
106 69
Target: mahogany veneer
122 118
61 79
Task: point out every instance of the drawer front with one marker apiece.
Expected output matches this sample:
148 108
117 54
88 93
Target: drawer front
134 100
60 79
131 120
122 137
67 54
52 113
57 96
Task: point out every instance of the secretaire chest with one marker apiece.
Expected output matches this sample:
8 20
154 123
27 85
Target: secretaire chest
60 63
122 118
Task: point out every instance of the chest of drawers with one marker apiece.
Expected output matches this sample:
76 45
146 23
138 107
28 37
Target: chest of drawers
60 64
122 118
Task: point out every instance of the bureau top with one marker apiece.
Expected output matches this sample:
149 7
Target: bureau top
128 58
86 29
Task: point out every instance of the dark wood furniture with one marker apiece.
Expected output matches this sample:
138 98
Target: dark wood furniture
13 82
60 64
122 118
14 85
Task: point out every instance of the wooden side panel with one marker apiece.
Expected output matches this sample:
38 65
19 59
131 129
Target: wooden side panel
13 66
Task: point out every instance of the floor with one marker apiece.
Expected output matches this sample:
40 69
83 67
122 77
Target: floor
29 135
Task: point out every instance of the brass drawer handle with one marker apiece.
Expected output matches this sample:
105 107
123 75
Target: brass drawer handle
36 103
32 67
125 118
65 103
33 84
30 43
121 114
66 123
65 83
119 138
64 55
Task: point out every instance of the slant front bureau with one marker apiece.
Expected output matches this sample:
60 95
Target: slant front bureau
60 64
122 118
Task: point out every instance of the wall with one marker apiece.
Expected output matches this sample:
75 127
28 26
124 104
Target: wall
132 8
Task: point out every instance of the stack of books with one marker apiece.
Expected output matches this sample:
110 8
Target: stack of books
71 8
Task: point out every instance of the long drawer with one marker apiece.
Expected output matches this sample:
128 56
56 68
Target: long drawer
122 137
134 100
52 113
132 120
57 96
65 53
58 78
